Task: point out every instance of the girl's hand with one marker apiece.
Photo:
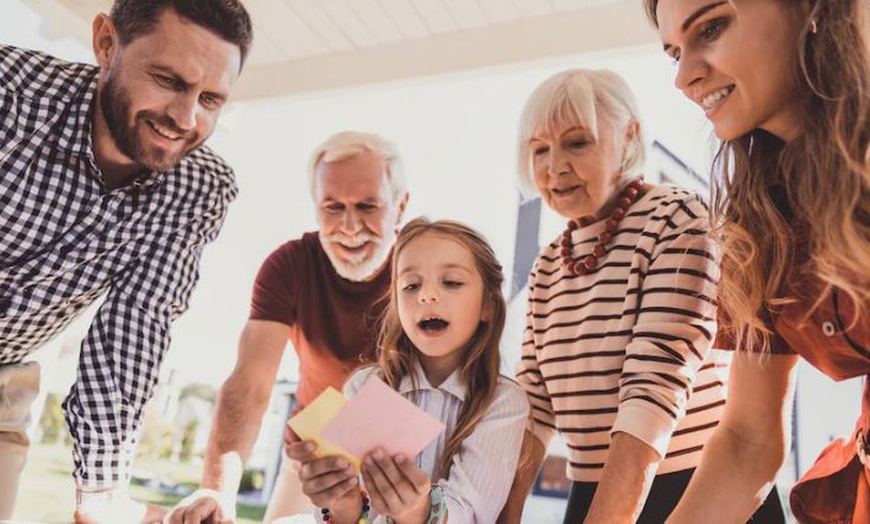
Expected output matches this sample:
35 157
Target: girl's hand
397 488
330 482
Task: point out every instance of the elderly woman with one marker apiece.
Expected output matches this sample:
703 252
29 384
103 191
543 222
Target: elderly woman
617 349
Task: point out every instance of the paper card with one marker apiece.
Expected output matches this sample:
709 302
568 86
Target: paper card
378 416
309 423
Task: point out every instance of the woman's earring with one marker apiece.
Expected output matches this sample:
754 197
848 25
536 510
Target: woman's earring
814 26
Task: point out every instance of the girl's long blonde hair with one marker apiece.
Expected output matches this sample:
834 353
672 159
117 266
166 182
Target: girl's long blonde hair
799 213
480 365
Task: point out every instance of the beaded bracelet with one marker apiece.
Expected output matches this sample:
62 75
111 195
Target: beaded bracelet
326 516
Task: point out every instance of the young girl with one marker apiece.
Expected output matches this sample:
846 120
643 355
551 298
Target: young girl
786 86
438 348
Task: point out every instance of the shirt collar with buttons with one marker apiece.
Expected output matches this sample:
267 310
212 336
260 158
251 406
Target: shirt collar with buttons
452 384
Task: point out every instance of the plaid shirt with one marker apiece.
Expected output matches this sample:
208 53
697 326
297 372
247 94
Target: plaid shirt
65 240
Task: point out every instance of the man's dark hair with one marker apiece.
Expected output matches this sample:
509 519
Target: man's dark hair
227 19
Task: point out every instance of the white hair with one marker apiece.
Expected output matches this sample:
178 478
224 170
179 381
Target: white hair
578 97
348 144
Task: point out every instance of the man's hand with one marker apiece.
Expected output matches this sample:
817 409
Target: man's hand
203 505
330 482
115 505
397 487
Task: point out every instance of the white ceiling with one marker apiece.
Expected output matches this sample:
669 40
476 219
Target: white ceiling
310 45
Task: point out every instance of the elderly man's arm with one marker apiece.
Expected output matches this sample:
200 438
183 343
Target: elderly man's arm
242 400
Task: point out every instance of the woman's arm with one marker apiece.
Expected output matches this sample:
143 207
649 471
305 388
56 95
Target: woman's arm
670 342
627 477
749 446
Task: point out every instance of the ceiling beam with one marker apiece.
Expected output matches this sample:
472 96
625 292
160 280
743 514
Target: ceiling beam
607 25
601 27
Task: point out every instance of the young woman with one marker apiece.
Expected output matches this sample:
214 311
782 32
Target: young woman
438 348
617 349
786 85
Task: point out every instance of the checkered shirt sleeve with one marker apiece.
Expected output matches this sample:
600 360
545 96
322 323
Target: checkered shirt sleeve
124 348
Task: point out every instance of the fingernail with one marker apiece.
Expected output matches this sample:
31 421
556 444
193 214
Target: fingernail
378 454
400 459
309 447
341 463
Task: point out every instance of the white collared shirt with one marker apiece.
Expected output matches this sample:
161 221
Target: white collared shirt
482 471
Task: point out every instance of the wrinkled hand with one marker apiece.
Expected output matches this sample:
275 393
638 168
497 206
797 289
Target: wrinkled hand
397 488
203 505
118 508
330 482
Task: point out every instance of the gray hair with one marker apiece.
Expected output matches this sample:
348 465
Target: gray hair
578 97
348 144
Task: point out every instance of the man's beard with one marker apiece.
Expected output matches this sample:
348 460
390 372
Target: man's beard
360 267
115 105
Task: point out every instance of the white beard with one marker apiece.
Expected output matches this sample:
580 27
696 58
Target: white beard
357 268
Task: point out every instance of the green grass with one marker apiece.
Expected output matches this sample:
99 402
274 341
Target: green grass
47 492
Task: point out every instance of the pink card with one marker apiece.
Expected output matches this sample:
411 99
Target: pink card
378 416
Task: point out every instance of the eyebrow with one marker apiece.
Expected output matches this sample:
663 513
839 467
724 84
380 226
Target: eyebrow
444 266
579 129
367 200
687 23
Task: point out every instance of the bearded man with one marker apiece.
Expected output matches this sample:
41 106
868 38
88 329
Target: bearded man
324 293
106 189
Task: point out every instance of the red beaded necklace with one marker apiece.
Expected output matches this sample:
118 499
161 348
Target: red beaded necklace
582 266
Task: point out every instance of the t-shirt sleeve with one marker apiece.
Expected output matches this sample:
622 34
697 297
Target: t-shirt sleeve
274 294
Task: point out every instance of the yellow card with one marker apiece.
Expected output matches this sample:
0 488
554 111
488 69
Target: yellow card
310 421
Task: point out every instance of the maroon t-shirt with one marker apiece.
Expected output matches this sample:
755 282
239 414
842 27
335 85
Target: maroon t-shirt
334 321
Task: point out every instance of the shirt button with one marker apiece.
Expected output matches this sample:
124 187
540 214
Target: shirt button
829 329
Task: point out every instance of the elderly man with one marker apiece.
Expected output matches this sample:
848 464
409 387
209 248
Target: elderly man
322 292
106 189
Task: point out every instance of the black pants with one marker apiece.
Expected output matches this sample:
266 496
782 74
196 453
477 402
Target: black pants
663 497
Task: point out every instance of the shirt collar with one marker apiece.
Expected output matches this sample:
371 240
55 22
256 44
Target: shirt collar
75 135
452 384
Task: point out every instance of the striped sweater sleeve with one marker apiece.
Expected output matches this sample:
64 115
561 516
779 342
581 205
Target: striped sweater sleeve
542 420
675 326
